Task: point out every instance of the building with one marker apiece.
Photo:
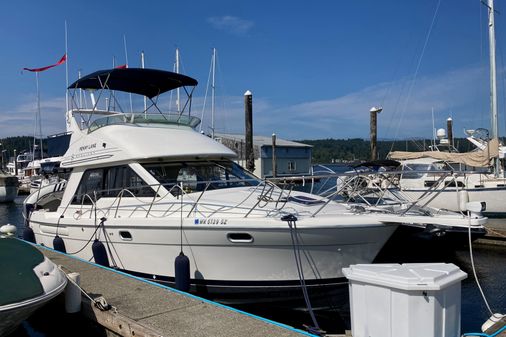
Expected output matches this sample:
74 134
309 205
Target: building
292 158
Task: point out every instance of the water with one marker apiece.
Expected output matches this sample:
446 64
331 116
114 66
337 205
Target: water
490 264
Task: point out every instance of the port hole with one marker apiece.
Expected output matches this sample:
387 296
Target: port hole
239 237
125 235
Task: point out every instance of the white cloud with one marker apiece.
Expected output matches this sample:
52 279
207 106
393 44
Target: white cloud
462 93
231 24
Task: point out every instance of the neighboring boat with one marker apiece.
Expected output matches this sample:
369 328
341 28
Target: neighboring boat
372 187
8 187
26 167
148 186
482 176
439 183
28 281
47 173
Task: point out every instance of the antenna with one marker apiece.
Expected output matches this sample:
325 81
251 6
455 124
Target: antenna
126 62
213 93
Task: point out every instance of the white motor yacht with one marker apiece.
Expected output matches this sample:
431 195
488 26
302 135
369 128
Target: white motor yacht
148 186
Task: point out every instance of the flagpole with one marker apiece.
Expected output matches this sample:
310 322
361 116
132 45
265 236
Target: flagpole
66 70
39 119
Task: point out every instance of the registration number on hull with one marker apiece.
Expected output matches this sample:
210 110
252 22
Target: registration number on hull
210 221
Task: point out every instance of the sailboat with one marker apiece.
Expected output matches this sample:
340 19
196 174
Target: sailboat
430 177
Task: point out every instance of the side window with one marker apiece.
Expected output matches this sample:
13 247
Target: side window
90 187
110 182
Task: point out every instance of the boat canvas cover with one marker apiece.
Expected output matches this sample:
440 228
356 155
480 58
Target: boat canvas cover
480 158
146 82
17 279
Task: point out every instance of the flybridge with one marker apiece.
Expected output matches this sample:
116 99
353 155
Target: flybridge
145 82
102 86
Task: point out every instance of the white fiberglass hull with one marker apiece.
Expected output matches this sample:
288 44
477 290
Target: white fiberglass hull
449 198
53 281
241 256
8 193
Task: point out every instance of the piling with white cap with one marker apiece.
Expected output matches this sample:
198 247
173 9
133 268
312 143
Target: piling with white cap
248 111
8 229
73 294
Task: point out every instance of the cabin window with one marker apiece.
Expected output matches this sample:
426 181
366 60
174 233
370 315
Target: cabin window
110 182
200 175
409 171
452 183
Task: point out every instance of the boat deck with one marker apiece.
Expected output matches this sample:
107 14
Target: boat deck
18 260
156 310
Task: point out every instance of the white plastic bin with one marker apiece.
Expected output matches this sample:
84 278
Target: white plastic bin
408 300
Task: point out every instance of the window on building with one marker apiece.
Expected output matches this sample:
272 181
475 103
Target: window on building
292 166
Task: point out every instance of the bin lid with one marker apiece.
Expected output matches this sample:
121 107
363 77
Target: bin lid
407 276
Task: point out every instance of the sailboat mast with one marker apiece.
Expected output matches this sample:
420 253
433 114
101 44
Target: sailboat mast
38 119
493 79
213 92
177 90
145 101
493 76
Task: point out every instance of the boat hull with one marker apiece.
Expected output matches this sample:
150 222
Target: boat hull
246 260
449 199
53 282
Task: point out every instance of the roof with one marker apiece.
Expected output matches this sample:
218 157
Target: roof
146 82
262 140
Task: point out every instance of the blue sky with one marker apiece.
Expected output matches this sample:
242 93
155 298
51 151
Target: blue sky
315 68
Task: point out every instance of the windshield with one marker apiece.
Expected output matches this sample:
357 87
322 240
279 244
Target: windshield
409 170
201 175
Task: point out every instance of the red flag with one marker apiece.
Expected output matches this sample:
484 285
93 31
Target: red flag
62 60
123 66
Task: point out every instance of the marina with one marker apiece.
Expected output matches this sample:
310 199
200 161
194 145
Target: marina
135 211
488 259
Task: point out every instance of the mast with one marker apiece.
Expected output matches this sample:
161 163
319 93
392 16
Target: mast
213 92
145 101
493 78
38 119
177 90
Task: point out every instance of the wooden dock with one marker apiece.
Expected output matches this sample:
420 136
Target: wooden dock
143 308
496 233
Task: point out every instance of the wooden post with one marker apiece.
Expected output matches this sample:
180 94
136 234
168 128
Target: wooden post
373 133
248 110
274 164
449 127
